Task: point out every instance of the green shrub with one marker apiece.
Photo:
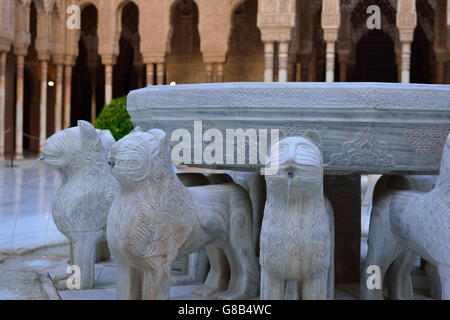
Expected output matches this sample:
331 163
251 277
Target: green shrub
115 117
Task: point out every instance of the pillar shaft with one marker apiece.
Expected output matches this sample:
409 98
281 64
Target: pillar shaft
283 50
298 72
108 83
19 107
2 102
209 72
43 105
440 72
59 97
405 62
93 96
330 61
160 73
67 95
268 61
150 74
219 72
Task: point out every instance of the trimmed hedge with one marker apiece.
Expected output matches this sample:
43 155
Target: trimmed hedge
114 116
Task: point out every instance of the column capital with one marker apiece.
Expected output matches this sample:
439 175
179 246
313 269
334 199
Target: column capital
70 60
330 35
58 58
21 43
109 59
276 34
5 44
43 47
214 57
155 57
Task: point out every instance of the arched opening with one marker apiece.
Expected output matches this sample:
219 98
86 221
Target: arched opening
185 62
88 71
423 63
375 58
245 58
421 58
128 71
31 94
318 56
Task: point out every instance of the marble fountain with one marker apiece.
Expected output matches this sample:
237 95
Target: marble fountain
313 141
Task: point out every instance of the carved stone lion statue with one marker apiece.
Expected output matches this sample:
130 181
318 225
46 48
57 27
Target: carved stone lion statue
297 236
156 220
407 224
83 200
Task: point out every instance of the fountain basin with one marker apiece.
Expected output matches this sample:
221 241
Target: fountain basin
364 128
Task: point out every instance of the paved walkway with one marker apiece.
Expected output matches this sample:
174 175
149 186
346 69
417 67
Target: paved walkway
26 194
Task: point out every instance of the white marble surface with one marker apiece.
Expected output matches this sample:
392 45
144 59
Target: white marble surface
26 194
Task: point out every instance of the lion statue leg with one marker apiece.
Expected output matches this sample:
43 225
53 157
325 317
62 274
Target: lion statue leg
218 275
382 249
399 276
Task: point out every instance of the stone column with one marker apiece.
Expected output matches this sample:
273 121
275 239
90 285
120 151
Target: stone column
108 83
67 94
298 72
19 107
283 50
93 93
59 97
406 23
150 74
160 73
268 61
209 72
331 20
441 55
405 64
330 61
43 105
344 49
3 56
219 72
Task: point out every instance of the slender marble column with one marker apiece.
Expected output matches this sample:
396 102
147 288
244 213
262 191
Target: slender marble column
93 96
43 105
283 50
108 83
67 95
59 97
268 61
209 72
150 74
440 72
160 73
330 61
219 72
406 62
19 107
2 102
